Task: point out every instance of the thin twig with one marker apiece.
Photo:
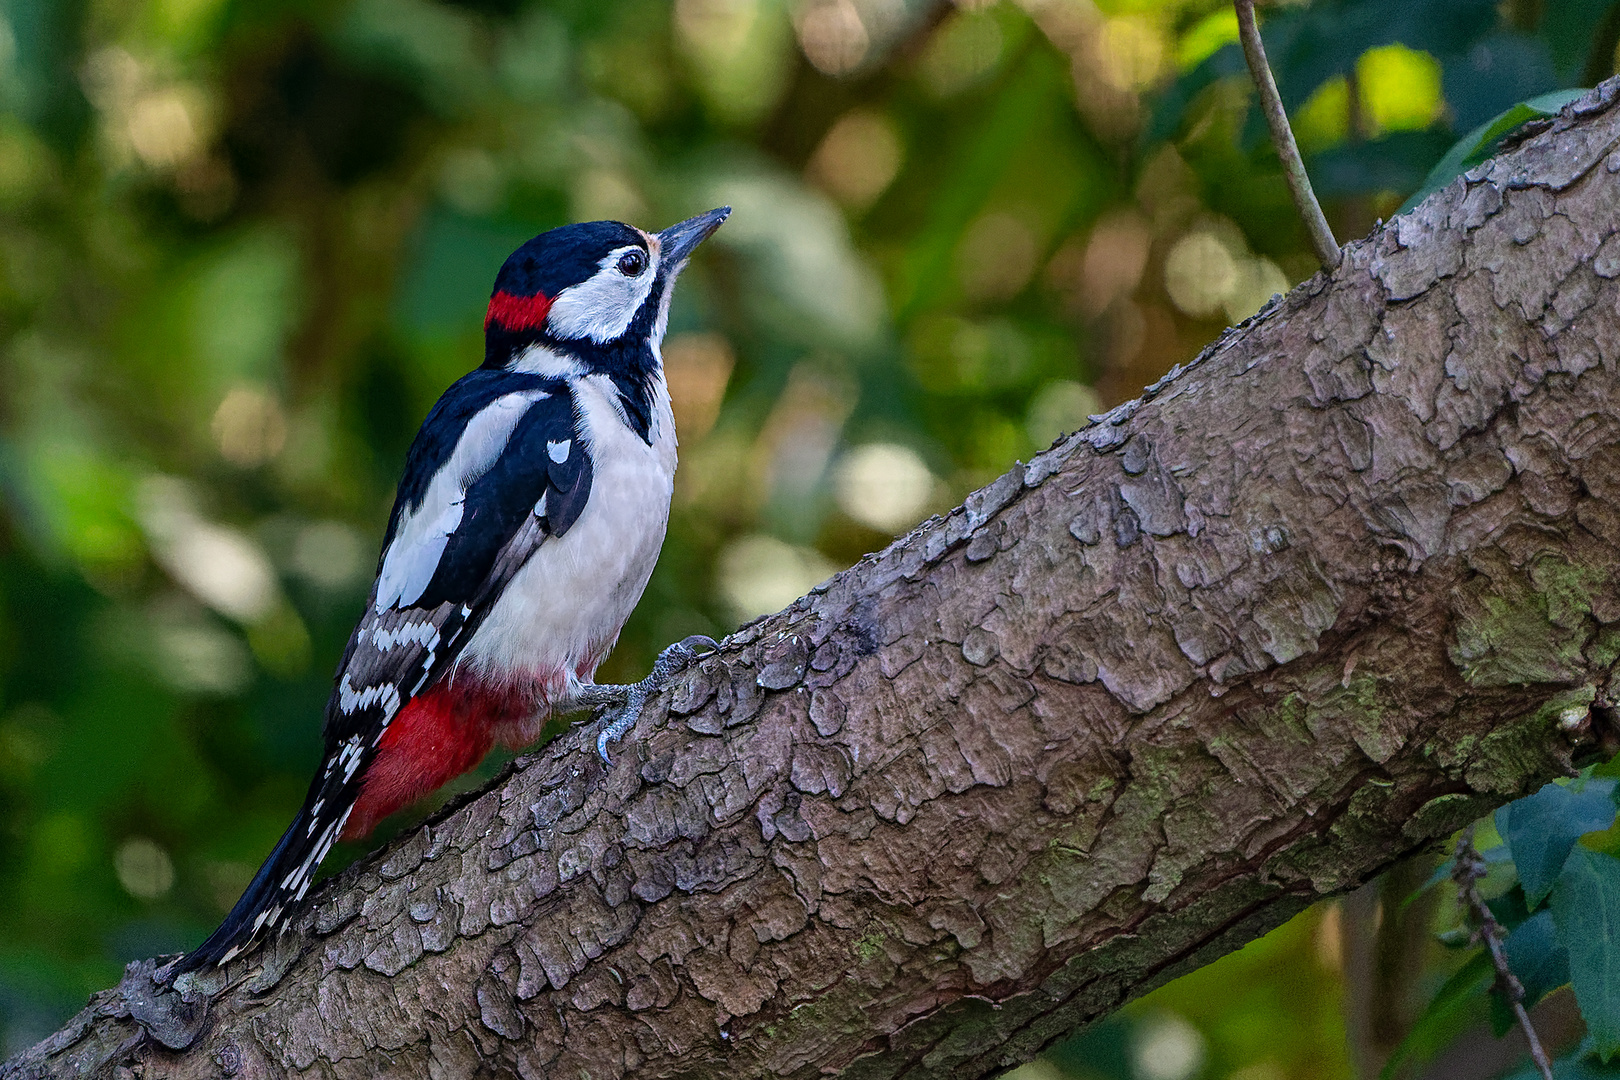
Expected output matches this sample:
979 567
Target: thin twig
1282 136
1470 867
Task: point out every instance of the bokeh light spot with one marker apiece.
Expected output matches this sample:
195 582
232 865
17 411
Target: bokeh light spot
1116 255
801 433
884 485
964 49
1205 38
740 50
833 37
718 28
996 257
1199 273
1257 281
163 127
218 565
697 368
1039 1069
201 658
607 195
760 574
249 427
1260 1070
24 165
1167 1048
144 869
1324 119
1400 88
1059 408
1128 52
858 158
329 554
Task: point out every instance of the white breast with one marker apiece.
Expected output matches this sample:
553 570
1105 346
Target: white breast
563 610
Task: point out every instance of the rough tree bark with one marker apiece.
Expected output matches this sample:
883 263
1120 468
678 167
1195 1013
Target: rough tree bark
1324 595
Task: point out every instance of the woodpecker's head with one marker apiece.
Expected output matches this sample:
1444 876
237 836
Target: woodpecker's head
597 292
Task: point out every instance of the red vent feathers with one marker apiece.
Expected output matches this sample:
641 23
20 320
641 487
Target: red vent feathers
517 312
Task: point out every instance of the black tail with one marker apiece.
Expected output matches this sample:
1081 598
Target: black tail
273 897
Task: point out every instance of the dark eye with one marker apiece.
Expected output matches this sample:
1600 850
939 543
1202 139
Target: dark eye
631 263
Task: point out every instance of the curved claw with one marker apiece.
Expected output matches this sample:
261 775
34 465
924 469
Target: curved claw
694 642
608 736
679 655
623 717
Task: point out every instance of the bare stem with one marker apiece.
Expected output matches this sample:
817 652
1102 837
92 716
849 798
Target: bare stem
1282 136
1470 867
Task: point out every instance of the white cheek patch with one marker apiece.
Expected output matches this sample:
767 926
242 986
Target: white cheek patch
419 541
601 307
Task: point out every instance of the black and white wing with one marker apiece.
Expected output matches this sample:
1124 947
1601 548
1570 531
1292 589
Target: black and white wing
470 513
499 466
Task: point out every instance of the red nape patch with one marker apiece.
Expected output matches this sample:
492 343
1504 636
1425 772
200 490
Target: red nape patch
517 312
437 737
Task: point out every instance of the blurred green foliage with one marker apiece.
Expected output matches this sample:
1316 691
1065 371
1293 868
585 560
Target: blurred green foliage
244 246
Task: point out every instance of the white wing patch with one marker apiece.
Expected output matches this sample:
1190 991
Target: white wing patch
419 541
601 307
421 633
558 451
351 700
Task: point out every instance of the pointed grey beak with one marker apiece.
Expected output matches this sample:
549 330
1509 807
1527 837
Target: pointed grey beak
679 241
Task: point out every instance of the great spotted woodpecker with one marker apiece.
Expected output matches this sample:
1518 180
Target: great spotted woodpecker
530 515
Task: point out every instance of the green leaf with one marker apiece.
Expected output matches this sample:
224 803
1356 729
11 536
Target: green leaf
1478 144
1509 909
1502 1018
1586 911
1537 957
1579 1064
1397 162
1451 1011
1541 829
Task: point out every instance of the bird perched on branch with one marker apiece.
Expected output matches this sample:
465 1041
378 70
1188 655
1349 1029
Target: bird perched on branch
530 515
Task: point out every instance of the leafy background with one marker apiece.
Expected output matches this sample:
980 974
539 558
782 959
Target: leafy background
243 246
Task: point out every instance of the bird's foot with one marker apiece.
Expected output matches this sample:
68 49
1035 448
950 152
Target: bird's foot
619 707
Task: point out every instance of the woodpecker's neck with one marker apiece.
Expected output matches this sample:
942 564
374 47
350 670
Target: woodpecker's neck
631 362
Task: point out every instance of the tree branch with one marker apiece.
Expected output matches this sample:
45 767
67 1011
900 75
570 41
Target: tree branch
1310 604
1470 868
1282 137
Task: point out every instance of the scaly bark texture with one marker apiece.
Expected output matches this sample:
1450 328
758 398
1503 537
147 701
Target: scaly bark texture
1312 602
